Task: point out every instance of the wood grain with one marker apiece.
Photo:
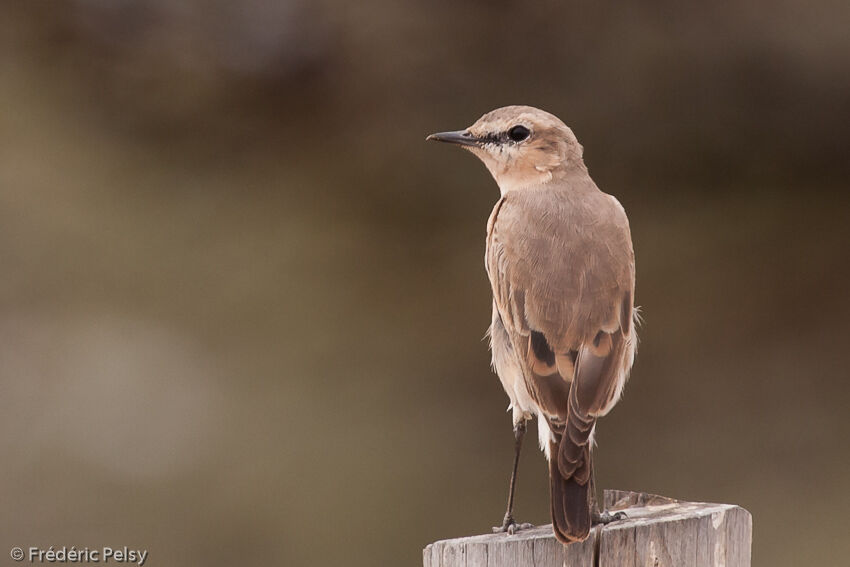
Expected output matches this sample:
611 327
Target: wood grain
658 532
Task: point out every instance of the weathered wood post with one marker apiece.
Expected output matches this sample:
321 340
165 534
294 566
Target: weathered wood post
658 532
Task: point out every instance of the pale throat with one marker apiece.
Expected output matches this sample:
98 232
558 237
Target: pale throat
515 172
518 178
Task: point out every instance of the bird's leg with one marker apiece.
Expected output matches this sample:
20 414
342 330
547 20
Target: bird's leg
604 517
509 525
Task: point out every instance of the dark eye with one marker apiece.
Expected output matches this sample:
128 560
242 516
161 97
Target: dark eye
518 133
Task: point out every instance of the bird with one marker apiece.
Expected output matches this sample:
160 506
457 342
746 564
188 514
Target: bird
561 265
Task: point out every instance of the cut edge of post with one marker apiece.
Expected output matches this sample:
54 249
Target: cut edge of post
712 534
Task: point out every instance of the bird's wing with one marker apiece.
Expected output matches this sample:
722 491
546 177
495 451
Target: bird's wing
561 267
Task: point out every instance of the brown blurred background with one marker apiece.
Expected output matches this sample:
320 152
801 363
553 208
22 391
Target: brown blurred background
242 301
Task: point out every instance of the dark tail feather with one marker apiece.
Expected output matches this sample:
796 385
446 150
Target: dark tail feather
593 390
570 499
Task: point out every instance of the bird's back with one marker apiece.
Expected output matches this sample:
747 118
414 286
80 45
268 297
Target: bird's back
566 253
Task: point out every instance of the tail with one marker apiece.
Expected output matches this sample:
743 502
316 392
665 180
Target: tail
570 494
570 470
600 372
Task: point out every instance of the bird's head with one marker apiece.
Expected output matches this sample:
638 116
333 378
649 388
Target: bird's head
521 146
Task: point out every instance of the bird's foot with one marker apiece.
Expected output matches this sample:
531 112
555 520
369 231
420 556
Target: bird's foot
606 517
510 527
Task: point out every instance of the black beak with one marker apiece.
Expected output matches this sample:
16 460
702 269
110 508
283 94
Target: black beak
460 137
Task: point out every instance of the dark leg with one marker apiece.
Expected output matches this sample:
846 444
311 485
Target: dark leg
603 517
509 525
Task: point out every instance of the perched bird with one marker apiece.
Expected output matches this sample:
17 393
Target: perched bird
562 271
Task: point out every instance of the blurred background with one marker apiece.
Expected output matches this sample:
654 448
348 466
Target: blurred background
242 301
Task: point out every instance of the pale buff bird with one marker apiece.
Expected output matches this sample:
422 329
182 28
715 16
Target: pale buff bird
562 271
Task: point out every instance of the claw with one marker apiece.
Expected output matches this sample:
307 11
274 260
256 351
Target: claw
607 517
510 527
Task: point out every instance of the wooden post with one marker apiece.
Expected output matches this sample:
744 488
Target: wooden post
658 532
